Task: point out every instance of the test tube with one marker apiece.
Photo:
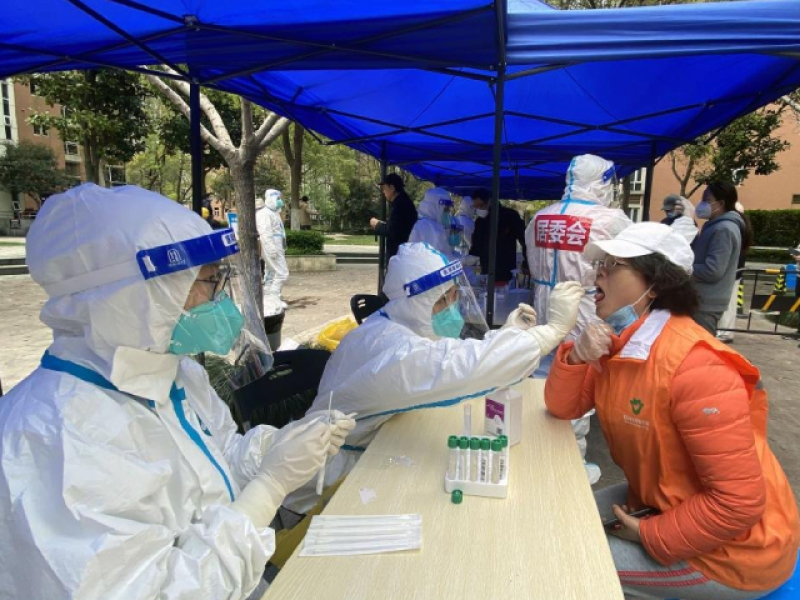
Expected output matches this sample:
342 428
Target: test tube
452 463
475 457
504 457
486 465
497 453
467 420
463 445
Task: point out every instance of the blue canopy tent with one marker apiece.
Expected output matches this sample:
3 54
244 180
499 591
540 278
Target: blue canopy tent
459 92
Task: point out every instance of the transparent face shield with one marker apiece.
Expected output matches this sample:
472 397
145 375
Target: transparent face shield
447 212
610 177
455 312
219 315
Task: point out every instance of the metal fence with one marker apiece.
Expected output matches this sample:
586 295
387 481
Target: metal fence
764 293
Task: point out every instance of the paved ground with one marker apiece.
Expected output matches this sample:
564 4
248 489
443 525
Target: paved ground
318 298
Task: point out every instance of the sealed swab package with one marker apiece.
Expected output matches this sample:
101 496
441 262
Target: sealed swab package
342 535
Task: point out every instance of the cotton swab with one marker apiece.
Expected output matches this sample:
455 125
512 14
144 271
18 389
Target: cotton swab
321 476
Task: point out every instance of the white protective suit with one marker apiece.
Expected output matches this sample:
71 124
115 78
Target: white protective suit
394 362
119 462
558 234
556 238
428 228
466 218
272 236
685 224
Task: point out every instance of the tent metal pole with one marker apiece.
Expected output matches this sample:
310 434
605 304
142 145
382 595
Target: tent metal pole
382 238
648 185
196 146
499 106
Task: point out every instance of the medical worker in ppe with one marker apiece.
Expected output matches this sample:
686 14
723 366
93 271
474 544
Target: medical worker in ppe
420 351
466 218
433 224
558 234
122 474
272 236
556 239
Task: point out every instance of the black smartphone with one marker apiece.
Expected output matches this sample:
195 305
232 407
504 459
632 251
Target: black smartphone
644 512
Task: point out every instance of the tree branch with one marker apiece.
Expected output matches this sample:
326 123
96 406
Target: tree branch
247 123
281 126
181 104
262 131
287 147
217 123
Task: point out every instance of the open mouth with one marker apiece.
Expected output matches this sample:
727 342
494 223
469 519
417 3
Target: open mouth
599 295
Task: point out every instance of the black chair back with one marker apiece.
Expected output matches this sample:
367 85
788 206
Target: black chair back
363 305
285 393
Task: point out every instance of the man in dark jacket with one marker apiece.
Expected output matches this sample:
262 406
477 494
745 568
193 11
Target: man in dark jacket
510 230
402 217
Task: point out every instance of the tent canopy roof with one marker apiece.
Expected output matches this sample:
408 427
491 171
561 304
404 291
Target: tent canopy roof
414 82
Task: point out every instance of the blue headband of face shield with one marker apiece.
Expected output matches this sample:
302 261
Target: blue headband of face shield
179 256
609 174
445 202
435 279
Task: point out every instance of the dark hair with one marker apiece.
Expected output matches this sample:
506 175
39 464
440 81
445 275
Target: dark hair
725 192
304 199
671 284
395 181
482 194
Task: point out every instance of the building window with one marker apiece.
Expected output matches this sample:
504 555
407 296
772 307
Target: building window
5 98
39 129
71 151
115 175
637 179
33 88
73 171
217 212
796 199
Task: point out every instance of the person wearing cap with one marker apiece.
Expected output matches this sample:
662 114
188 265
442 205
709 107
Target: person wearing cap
510 231
718 250
402 218
428 347
673 208
685 418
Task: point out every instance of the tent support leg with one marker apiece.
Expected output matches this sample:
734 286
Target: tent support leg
648 185
196 147
494 214
382 238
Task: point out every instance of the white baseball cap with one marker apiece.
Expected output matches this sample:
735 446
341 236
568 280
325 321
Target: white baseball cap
641 239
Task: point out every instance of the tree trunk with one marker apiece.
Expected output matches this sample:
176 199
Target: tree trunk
626 194
294 158
243 176
91 162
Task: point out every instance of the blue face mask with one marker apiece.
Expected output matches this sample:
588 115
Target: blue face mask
210 327
448 323
446 219
623 317
279 203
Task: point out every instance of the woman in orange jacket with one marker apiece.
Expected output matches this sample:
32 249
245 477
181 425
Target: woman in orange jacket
685 418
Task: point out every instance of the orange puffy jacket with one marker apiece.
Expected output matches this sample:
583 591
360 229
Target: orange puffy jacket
685 418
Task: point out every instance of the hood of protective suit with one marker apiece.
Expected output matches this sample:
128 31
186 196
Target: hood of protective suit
688 208
270 200
467 207
82 249
411 262
430 208
589 178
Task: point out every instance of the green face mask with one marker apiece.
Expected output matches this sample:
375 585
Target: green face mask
448 322
210 327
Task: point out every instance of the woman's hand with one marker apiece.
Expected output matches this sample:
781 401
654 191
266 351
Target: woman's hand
628 529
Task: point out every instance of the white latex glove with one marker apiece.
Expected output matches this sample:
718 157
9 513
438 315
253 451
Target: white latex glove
562 316
341 425
291 461
593 344
522 317
470 261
